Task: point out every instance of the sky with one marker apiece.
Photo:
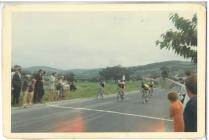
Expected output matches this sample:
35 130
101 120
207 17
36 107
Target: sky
72 40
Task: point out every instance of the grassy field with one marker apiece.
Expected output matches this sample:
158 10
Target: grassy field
90 89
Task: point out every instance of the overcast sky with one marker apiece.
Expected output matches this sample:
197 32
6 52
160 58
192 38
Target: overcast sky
69 40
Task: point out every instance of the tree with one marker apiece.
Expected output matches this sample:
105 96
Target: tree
114 73
154 74
188 73
183 40
139 77
164 72
70 76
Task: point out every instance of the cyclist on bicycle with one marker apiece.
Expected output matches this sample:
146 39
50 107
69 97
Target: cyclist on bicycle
121 88
145 91
101 89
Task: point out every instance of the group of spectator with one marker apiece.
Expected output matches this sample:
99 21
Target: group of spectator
185 119
28 89
57 87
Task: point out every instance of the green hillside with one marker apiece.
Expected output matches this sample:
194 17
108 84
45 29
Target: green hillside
175 67
85 73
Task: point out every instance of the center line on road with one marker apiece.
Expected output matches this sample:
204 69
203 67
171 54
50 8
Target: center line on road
113 112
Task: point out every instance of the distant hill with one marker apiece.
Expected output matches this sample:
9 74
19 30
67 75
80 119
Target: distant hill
175 67
80 73
49 70
85 73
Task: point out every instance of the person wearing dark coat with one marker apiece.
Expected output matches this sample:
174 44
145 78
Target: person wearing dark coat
39 87
16 84
190 111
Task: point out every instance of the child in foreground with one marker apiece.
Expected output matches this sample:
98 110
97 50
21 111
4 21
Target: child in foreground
176 112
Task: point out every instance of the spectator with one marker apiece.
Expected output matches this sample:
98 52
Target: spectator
31 91
17 84
28 90
52 87
39 87
12 72
43 91
61 83
176 112
190 111
59 88
65 87
25 88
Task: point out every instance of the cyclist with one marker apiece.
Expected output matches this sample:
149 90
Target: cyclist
101 89
145 92
121 88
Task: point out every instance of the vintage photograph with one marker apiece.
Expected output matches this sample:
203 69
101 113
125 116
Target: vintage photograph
98 68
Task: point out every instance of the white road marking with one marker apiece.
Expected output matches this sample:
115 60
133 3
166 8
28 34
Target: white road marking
113 112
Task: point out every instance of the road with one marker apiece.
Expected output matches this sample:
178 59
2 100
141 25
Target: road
91 115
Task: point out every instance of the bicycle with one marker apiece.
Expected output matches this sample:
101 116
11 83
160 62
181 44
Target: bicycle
120 95
145 95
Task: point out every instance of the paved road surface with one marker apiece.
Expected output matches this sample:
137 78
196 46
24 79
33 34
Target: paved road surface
91 115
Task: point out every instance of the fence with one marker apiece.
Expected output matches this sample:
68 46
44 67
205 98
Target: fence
175 86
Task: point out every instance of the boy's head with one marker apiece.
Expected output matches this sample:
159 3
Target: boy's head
172 96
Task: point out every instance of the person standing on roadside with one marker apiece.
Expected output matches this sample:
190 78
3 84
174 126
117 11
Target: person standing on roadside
61 83
52 86
39 89
176 112
190 111
17 84
25 89
31 91
28 91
